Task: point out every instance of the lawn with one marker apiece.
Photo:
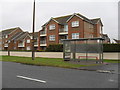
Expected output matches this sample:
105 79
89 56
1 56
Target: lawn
55 62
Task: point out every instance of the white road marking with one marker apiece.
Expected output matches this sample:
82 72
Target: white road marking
111 80
31 79
104 71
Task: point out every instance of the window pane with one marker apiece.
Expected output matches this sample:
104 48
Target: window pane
75 23
75 35
52 37
52 26
28 41
66 27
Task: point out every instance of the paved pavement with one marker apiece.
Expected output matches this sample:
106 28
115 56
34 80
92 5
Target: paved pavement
55 77
57 54
112 67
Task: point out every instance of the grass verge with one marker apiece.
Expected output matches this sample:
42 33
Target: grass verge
54 62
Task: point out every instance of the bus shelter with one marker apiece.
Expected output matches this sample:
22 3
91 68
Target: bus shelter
83 49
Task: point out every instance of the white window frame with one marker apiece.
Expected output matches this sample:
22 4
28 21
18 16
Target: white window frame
28 48
6 36
75 23
52 26
75 35
31 37
66 28
14 47
8 41
51 37
28 41
100 29
90 36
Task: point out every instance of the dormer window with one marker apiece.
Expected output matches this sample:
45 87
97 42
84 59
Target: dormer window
75 23
52 26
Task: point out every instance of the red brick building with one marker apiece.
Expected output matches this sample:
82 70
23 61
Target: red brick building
16 39
73 26
69 27
5 35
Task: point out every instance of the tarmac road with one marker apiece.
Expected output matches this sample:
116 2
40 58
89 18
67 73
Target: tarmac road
17 75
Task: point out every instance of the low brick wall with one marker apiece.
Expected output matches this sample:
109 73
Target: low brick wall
56 54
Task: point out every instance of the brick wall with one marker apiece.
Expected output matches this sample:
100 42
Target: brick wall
11 44
28 44
97 29
79 29
38 41
88 30
52 32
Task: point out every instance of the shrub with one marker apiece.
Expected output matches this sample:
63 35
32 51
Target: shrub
18 50
55 48
40 50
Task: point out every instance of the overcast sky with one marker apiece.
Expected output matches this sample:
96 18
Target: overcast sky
18 13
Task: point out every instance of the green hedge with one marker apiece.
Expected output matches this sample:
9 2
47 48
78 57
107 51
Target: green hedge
18 50
55 48
106 48
59 48
111 47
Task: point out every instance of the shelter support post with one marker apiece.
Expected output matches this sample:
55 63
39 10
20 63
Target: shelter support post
86 50
102 50
74 52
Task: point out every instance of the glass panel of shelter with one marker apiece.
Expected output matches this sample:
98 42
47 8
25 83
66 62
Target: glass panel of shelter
67 50
75 48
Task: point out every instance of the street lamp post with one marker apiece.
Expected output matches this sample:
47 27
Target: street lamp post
8 52
8 49
33 51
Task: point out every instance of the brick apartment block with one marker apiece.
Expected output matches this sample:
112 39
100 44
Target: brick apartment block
16 39
65 27
69 27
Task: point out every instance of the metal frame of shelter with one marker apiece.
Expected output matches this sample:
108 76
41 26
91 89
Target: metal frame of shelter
83 45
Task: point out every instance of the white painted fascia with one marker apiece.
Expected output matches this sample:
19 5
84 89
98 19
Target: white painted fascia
98 21
13 31
17 36
53 20
73 16
27 36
